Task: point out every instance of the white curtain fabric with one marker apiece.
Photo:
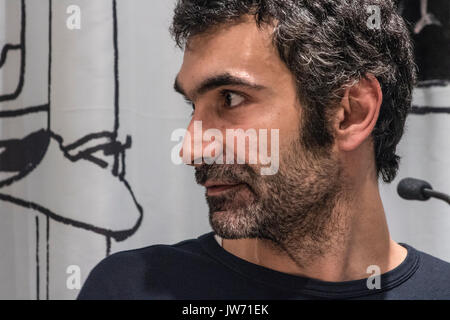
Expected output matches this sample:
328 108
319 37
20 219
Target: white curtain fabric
86 116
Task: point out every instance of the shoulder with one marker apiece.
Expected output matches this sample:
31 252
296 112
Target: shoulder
125 261
154 253
432 278
120 275
434 265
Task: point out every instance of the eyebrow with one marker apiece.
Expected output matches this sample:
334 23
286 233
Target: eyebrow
215 82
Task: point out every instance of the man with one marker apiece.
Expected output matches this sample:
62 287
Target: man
338 89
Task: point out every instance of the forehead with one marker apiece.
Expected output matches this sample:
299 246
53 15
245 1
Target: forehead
240 49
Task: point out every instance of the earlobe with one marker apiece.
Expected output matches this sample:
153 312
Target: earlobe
358 113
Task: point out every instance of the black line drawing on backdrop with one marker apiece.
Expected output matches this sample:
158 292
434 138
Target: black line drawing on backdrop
429 24
426 19
20 157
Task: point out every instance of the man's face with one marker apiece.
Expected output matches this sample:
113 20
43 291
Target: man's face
236 80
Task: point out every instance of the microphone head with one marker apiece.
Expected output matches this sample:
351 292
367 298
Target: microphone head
412 189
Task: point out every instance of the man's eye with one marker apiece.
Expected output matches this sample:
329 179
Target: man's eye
232 99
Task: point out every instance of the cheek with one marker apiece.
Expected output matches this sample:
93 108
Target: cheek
273 128
288 125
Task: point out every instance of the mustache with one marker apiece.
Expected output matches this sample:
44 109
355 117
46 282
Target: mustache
229 173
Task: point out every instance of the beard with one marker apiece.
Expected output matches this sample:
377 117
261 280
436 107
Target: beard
293 209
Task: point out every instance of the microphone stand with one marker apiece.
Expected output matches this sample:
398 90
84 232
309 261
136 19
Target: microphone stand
436 194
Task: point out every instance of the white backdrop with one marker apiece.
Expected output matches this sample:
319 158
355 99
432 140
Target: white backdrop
85 122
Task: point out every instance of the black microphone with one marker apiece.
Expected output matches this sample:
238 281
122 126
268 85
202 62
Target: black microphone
415 189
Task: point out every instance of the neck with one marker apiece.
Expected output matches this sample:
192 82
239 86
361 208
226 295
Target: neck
359 240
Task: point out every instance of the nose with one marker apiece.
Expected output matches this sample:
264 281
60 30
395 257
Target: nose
192 149
202 144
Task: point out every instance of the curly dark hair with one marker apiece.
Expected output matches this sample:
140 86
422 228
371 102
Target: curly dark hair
327 45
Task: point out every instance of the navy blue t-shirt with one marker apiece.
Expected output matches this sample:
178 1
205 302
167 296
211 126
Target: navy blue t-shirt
201 269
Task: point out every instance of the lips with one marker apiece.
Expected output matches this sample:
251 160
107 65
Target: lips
215 188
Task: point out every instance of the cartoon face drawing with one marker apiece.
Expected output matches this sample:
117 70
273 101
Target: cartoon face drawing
80 169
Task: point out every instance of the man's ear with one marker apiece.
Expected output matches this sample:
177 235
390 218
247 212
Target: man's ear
358 113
